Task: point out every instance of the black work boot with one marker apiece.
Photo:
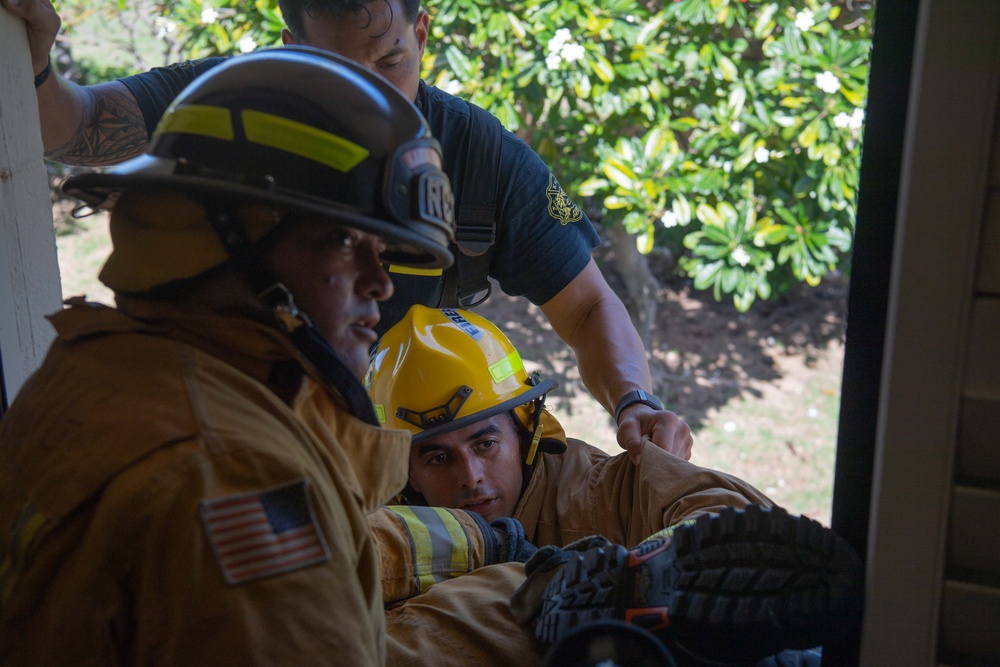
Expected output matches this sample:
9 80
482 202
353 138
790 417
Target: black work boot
727 589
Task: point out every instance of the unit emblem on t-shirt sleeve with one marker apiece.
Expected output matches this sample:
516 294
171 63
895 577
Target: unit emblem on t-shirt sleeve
561 207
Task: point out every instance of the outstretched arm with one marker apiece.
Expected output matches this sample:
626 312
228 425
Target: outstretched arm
592 320
87 126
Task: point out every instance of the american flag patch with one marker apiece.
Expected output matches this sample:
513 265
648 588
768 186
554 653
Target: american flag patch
256 535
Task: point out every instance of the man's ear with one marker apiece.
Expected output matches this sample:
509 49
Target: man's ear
421 25
286 37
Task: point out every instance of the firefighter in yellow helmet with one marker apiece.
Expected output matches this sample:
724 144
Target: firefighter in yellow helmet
483 441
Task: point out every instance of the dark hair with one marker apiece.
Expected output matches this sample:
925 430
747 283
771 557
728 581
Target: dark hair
294 11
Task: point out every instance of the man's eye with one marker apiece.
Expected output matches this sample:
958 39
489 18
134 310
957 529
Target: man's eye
437 459
389 65
340 239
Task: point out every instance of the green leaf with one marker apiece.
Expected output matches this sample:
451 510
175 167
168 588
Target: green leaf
808 136
644 241
855 97
602 67
709 215
728 68
717 235
765 21
517 27
614 202
683 124
730 276
737 99
706 274
654 144
682 209
459 63
620 174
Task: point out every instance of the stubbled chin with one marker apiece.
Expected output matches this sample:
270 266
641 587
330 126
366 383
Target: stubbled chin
355 358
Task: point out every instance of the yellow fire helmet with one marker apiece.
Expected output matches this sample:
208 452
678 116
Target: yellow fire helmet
439 370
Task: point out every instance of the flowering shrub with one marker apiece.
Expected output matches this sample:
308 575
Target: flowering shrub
728 132
723 130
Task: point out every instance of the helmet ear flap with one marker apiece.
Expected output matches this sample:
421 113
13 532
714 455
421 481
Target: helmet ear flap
416 189
551 438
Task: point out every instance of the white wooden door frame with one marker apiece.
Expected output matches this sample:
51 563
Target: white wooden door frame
29 266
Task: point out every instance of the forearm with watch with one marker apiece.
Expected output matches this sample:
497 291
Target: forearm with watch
634 397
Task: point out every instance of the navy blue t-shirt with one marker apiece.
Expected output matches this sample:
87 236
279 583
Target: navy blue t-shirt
543 240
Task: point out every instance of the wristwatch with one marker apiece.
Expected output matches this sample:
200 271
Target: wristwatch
636 396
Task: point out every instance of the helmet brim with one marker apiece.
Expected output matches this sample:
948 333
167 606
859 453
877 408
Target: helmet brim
146 172
540 389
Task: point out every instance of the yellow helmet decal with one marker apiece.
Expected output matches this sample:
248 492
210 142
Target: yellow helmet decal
200 119
414 271
301 139
267 130
506 367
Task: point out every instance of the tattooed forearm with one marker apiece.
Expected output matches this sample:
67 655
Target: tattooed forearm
112 129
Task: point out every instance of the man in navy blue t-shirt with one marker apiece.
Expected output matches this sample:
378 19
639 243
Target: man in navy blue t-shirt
543 241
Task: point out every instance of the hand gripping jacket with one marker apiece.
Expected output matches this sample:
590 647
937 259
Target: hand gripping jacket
439 370
302 131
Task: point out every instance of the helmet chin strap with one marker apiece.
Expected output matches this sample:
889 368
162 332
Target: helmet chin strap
536 431
298 326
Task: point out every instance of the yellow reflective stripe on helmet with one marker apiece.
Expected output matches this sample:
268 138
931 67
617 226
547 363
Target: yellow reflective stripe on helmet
413 271
303 140
200 119
506 367
440 545
25 528
379 412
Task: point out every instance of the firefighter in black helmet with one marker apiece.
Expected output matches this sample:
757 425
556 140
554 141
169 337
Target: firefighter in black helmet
185 479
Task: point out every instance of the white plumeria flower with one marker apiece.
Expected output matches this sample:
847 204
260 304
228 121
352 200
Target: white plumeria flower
828 82
563 48
167 27
853 121
761 155
669 219
247 44
572 52
805 20
857 119
561 37
741 256
736 126
209 15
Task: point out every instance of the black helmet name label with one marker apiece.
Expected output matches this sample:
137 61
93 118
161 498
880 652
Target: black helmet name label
465 325
435 200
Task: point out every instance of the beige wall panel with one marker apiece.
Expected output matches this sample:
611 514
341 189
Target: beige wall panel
969 623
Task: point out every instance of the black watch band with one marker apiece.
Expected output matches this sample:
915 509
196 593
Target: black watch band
636 396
